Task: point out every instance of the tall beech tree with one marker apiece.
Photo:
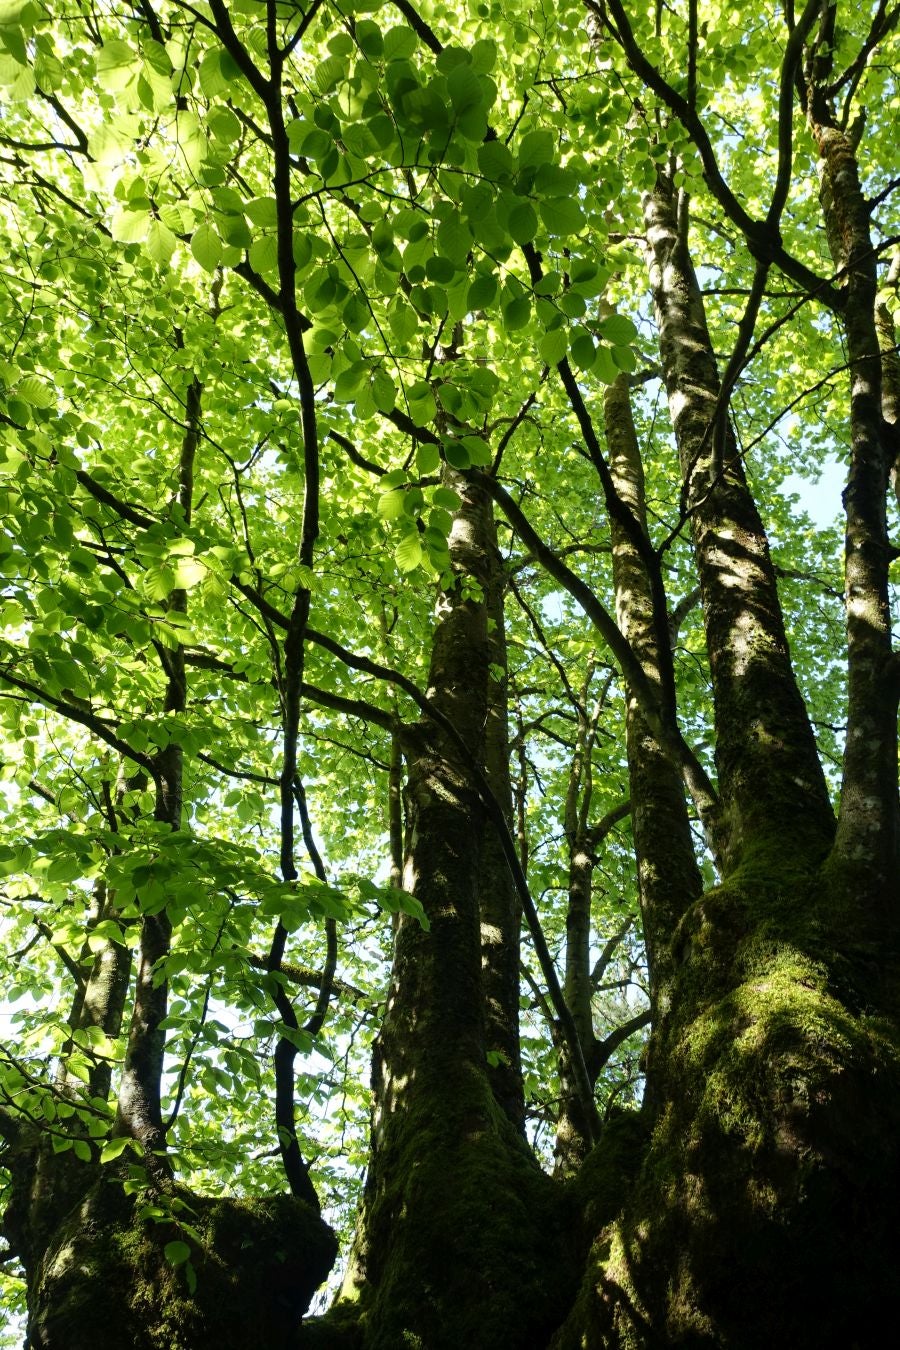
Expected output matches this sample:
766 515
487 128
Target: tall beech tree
451 839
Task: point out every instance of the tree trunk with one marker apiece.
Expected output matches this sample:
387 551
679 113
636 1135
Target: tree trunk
766 755
574 1131
763 1210
499 908
868 835
461 1240
668 876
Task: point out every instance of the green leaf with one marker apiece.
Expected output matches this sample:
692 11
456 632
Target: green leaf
516 313
482 292
454 239
117 63
583 351
523 223
263 211
206 247
465 88
350 381
35 392
129 226
456 455
176 1252
553 346
604 367
561 215
390 504
618 330
224 125
484 55
114 1148
369 37
440 269
439 520
188 573
537 147
479 451
428 457
399 43
384 391
446 497
408 554
160 243
217 71
234 231
422 406
495 161
625 359
263 253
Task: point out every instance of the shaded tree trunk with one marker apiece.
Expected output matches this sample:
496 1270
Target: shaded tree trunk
574 1132
459 1226
500 911
762 1210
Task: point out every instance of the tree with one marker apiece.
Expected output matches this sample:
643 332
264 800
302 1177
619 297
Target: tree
413 650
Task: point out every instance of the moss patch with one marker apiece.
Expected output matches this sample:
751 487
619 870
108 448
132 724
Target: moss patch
468 1242
104 1281
765 1209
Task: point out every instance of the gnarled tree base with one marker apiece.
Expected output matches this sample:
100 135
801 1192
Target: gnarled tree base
101 1280
469 1243
765 1209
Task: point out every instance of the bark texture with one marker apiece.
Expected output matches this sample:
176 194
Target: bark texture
765 752
460 1227
869 818
499 909
762 1207
668 876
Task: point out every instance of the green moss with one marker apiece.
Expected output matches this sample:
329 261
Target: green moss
601 1186
600 1192
765 1208
104 1281
338 1329
469 1243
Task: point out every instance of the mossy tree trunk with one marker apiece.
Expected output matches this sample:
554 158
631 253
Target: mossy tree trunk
459 1228
762 1208
500 911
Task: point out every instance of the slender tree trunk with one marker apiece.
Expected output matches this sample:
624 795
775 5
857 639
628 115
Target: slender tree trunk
574 1132
890 370
139 1112
868 834
668 876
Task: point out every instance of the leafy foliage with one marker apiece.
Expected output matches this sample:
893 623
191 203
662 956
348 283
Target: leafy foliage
435 208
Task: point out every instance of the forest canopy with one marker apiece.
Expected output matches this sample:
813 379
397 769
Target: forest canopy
449 843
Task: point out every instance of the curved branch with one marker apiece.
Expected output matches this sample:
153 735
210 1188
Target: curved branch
763 241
